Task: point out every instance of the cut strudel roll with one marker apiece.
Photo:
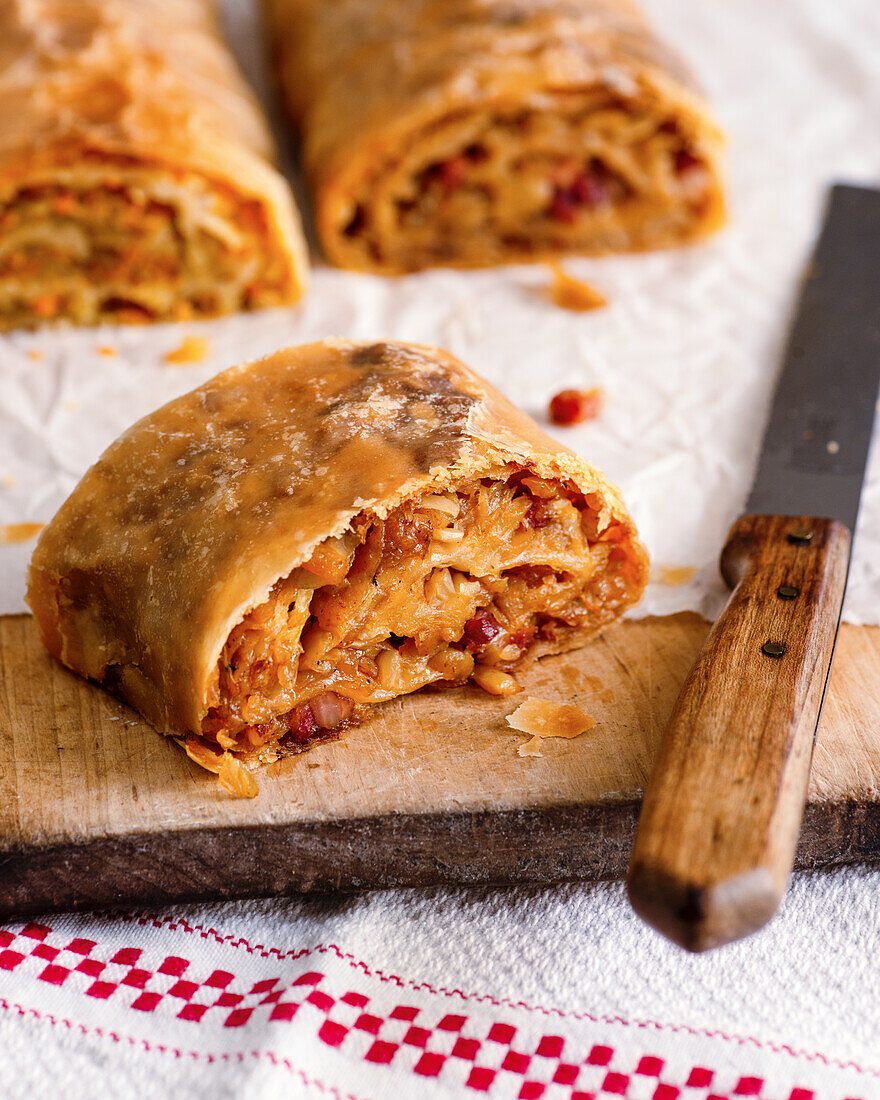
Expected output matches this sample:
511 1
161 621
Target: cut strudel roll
330 527
135 174
476 132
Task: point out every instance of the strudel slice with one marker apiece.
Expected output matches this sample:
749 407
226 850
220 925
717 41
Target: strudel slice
477 132
258 562
135 174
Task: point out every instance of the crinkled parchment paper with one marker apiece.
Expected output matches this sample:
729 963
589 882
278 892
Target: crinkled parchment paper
687 351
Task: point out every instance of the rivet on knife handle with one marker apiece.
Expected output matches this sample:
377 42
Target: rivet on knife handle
721 813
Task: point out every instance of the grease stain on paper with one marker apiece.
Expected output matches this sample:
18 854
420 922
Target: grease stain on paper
19 532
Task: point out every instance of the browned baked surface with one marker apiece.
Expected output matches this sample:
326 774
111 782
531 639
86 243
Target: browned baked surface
135 174
332 526
475 132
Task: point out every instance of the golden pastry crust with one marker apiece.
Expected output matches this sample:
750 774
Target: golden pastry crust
475 132
282 505
135 174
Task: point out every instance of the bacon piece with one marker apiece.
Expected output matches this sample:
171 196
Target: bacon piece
449 173
588 189
452 172
480 630
575 406
302 723
330 709
563 206
684 159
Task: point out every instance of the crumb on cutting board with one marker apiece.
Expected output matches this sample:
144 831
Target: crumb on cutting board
231 773
570 293
35 354
8 481
105 349
192 349
236 779
542 718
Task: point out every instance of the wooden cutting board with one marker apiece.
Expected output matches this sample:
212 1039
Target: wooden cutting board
97 810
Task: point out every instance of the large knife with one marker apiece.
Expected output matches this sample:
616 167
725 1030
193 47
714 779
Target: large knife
720 818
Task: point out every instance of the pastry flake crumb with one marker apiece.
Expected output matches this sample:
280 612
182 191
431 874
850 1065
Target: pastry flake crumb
674 576
232 775
192 349
105 349
19 532
575 406
235 778
8 481
570 293
199 752
542 718
35 355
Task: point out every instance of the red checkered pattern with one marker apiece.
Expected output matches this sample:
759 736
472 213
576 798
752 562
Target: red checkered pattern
456 1048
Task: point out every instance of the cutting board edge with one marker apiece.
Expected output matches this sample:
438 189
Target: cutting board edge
397 850
214 863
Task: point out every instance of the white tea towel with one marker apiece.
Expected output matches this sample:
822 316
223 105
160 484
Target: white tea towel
558 993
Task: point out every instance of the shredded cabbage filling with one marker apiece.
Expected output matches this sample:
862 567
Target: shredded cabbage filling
448 587
591 173
140 247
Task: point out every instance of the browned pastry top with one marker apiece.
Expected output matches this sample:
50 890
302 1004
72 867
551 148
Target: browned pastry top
131 77
452 51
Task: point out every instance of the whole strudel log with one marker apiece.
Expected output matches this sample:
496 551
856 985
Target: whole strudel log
335 525
476 132
135 174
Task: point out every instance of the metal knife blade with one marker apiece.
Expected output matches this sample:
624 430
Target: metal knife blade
817 439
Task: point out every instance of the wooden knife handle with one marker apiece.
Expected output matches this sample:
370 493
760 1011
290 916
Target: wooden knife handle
720 818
